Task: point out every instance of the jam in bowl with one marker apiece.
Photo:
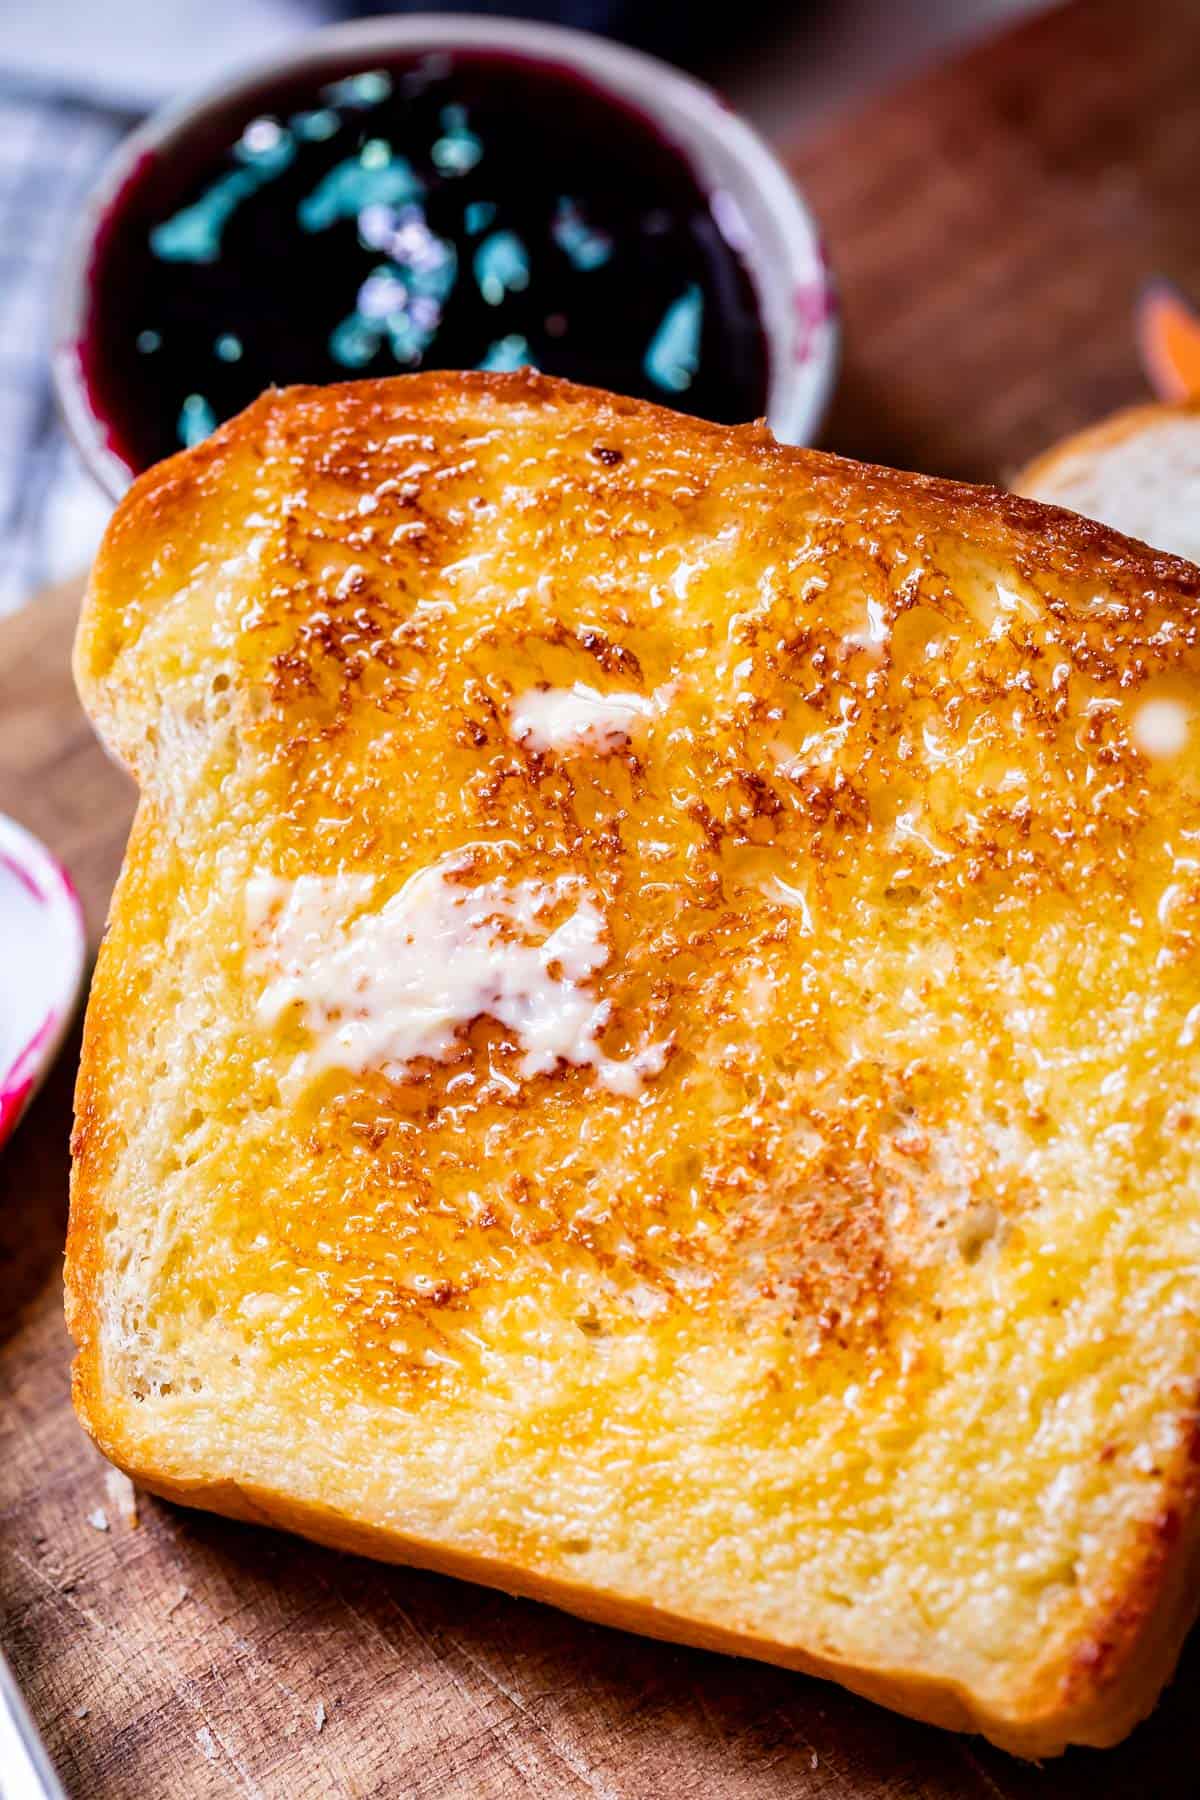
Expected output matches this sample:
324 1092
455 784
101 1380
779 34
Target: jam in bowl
490 196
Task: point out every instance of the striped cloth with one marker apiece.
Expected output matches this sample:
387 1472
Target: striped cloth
51 512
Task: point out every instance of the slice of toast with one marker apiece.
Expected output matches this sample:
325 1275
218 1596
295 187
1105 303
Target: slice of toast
1138 471
646 1050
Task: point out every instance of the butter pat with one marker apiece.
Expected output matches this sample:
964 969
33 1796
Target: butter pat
579 718
385 988
1160 728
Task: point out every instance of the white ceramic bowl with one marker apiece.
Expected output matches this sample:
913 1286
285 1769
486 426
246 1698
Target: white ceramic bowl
42 946
757 204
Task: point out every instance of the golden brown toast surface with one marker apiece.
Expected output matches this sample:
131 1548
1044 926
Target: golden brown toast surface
860 1331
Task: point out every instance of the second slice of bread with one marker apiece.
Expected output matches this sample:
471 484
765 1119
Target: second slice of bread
1138 471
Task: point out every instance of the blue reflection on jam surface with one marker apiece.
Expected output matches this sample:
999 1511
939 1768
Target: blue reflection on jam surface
506 353
470 211
673 358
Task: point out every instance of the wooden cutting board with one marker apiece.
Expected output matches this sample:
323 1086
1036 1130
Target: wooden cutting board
991 226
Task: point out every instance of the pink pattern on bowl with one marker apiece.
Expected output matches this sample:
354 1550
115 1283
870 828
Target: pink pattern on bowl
42 948
816 317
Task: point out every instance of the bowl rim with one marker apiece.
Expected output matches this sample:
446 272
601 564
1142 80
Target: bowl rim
805 370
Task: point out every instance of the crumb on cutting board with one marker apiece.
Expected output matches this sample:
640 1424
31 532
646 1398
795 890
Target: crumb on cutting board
122 1496
98 1519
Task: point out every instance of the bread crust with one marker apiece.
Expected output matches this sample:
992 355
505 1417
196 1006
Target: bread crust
1113 1683
1091 1691
157 507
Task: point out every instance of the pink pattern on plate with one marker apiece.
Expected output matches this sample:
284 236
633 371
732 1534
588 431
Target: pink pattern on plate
17 1084
48 987
23 875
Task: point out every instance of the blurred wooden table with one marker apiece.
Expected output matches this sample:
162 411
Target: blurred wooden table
991 227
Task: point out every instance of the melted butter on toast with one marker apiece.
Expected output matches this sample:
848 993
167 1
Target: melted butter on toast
396 987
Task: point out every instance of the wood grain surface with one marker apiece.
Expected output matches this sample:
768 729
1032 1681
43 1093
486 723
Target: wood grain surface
991 226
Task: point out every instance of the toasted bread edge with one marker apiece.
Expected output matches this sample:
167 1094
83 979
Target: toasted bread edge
1111 1683
163 499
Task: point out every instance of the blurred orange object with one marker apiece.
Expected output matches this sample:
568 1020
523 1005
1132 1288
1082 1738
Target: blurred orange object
1168 334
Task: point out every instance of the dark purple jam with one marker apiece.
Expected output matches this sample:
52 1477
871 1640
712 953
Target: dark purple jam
465 211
